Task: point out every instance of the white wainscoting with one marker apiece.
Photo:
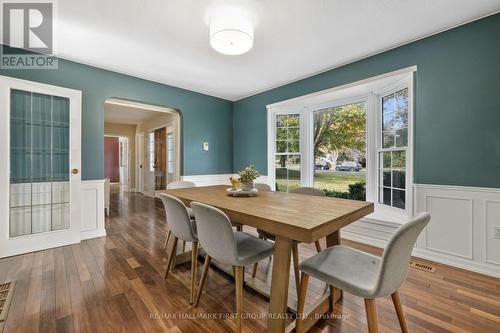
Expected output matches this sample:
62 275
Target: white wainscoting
461 231
92 196
222 179
460 234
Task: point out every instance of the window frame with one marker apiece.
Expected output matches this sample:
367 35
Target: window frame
372 99
272 142
379 94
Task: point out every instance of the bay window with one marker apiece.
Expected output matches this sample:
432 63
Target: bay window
352 142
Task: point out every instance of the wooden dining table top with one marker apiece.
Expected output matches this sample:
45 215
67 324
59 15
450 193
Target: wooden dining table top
299 217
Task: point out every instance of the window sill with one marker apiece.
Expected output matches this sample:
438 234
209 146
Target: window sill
386 216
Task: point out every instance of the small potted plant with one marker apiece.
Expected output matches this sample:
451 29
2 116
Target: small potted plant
247 176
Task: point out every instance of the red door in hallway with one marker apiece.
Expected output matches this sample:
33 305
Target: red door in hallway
160 159
112 159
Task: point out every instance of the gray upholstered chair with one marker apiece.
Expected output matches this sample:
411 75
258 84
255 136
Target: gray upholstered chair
295 250
173 186
262 187
180 184
363 274
228 247
184 228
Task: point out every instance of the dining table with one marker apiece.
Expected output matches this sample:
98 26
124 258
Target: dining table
291 218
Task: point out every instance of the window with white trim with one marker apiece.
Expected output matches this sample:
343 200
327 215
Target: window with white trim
170 152
287 147
383 143
392 149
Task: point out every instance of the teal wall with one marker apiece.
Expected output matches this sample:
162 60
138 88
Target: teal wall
204 118
457 113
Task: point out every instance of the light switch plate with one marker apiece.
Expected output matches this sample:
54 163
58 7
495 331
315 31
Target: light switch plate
205 146
497 232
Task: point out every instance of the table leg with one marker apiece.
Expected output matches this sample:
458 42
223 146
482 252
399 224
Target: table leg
279 285
331 240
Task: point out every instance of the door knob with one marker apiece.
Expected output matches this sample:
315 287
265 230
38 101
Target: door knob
75 171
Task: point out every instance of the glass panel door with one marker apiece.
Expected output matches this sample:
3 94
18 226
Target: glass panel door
39 163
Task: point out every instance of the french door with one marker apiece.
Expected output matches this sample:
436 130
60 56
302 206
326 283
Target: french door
40 166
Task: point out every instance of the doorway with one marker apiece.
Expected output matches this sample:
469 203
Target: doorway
153 134
160 158
116 162
112 159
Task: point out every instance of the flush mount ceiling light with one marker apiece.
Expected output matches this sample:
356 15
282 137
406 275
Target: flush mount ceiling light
231 32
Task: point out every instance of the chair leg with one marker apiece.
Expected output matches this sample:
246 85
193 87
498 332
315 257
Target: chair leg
239 228
295 257
167 239
254 271
183 246
318 246
334 296
371 315
194 265
239 273
399 311
304 281
206 266
173 253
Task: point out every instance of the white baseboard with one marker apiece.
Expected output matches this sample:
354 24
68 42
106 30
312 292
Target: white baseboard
89 234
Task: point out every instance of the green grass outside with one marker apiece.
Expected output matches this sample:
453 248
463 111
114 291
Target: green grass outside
328 180
337 181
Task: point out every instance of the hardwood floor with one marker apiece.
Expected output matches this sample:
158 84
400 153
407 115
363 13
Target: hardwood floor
115 284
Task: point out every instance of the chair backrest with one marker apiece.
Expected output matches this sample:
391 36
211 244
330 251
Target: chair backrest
180 184
262 187
178 220
215 233
397 254
308 191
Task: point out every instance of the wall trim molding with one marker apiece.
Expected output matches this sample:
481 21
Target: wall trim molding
459 188
441 258
93 220
216 179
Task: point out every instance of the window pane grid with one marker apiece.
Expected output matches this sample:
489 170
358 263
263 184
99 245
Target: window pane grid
393 149
287 156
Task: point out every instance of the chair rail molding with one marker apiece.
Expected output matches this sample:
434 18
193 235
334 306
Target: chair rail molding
218 179
461 232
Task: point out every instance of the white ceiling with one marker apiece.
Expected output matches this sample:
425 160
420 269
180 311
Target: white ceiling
167 40
120 113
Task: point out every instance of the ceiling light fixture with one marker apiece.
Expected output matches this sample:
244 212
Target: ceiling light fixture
231 32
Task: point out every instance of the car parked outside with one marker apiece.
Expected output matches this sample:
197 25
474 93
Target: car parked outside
348 166
322 164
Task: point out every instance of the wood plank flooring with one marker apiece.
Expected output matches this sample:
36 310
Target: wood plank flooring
116 284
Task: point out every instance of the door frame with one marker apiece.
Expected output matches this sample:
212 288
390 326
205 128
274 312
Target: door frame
144 156
45 240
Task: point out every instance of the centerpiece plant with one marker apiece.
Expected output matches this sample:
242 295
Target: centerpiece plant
247 176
